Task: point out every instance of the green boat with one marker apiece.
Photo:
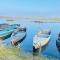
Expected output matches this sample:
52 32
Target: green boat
6 30
5 33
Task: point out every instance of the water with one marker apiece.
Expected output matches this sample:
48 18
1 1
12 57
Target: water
32 29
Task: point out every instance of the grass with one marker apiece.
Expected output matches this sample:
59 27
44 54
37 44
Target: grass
44 58
16 54
12 54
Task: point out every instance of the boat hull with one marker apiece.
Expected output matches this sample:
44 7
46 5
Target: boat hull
6 34
41 47
19 37
40 41
58 45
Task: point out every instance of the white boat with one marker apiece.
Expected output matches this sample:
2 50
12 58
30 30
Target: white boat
41 39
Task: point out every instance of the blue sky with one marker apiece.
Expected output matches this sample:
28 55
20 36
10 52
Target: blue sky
35 8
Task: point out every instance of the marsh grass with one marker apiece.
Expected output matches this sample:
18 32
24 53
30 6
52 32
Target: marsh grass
13 54
44 58
16 54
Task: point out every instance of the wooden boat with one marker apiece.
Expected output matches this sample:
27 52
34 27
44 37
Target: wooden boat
6 30
18 36
15 26
41 39
58 43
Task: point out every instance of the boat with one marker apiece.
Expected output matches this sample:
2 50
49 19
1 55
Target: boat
15 26
58 42
41 39
6 30
18 36
3 26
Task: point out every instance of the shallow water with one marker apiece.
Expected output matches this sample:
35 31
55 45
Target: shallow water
32 28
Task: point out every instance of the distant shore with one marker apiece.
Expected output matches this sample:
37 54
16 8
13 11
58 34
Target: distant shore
11 18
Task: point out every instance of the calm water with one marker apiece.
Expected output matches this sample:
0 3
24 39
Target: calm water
32 28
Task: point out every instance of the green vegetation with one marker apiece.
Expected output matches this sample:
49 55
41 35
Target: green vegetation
44 58
9 18
13 54
48 18
16 54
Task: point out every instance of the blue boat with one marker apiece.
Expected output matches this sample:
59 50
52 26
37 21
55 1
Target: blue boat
58 43
18 36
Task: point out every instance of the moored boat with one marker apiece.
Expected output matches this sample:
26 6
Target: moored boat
18 36
41 39
6 30
58 42
15 26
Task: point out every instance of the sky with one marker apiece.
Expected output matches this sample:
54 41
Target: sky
34 8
